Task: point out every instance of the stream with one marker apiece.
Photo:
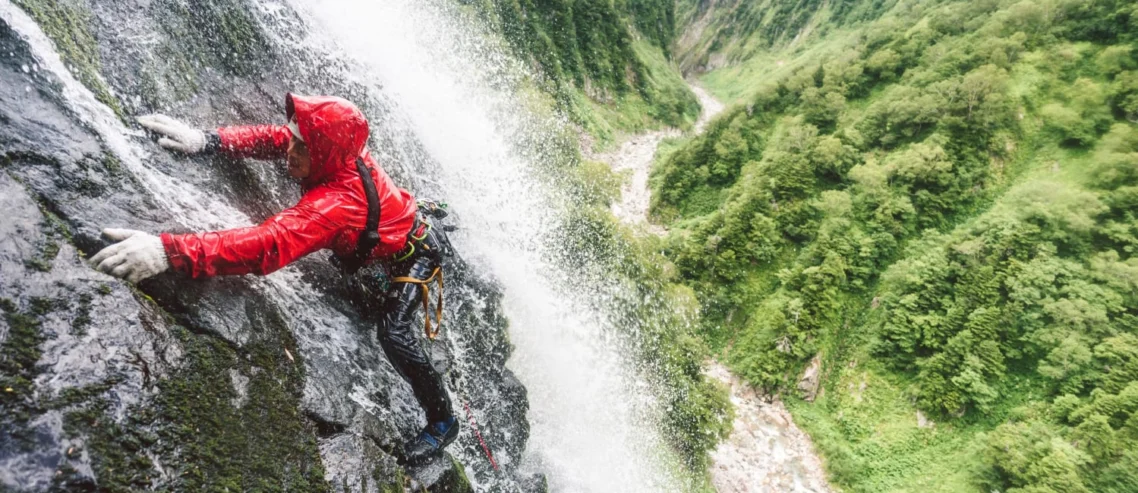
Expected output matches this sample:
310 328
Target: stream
765 451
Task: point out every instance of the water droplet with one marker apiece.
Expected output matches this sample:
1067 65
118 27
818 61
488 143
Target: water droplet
35 67
26 68
27 88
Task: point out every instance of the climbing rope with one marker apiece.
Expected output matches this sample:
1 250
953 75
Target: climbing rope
474 426
460 388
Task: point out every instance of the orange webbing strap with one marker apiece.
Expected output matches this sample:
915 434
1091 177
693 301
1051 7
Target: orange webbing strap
424 285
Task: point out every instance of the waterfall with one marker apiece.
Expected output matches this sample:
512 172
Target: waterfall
452 88
455 85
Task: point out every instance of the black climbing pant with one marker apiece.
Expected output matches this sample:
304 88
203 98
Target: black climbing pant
399 334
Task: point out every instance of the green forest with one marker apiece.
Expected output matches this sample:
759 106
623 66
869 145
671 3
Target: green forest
934 199
937 199
607 63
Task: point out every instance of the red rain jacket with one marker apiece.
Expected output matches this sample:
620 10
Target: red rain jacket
332 211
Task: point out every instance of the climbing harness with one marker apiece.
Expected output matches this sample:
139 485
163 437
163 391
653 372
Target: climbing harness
418 233
424 286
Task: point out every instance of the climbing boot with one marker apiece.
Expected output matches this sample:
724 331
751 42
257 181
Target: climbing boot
431 441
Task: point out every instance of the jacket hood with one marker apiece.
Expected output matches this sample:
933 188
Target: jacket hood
335 131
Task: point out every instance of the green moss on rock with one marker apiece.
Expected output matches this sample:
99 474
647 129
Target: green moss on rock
224 29
82 318
67 23
223 440
116 449
18 356
206 435
393 484
54 233
454 480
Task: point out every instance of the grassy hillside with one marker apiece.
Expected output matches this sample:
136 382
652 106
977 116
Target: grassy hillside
608 63
938 198
718 33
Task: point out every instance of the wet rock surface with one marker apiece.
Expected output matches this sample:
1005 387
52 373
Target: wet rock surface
239 383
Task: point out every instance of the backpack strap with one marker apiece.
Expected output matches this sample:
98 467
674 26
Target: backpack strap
369 237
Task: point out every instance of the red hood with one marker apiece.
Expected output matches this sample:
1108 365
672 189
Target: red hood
335 131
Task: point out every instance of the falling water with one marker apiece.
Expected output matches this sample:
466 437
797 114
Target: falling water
456 87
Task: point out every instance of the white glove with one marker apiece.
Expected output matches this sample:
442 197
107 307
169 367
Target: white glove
136 256
179 136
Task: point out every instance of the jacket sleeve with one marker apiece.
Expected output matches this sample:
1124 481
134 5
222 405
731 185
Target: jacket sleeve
255 141
309 226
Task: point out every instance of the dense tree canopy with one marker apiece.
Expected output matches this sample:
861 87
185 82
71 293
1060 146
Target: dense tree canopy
591 46
953 192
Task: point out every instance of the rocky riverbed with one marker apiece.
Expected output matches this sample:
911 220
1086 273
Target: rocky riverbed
634 157
765 451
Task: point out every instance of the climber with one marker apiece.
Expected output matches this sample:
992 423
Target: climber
325 147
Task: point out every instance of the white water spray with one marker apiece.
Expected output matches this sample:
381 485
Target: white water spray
592 420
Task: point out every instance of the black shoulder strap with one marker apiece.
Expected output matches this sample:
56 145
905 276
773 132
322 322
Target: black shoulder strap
369 237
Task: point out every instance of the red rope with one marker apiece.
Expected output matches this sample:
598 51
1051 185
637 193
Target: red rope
474 426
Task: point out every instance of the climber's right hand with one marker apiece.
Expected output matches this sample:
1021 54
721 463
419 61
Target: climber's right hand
137 255
178 136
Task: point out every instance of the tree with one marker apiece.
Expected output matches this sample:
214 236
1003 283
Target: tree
1124 94
1068 364
982 88
884 64
822 108
1068 124
1031 457
1119 356
1114 59
1097 438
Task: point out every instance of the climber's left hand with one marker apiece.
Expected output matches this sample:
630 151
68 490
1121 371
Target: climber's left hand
177 135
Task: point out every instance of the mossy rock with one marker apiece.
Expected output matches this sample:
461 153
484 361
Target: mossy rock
18 356
223 29
68 24
454 480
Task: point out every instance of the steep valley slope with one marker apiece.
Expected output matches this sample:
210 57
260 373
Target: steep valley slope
935 202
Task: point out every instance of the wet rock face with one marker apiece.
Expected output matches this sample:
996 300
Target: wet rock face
238 383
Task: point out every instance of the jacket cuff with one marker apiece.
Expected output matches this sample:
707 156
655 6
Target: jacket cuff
179 262
212 142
